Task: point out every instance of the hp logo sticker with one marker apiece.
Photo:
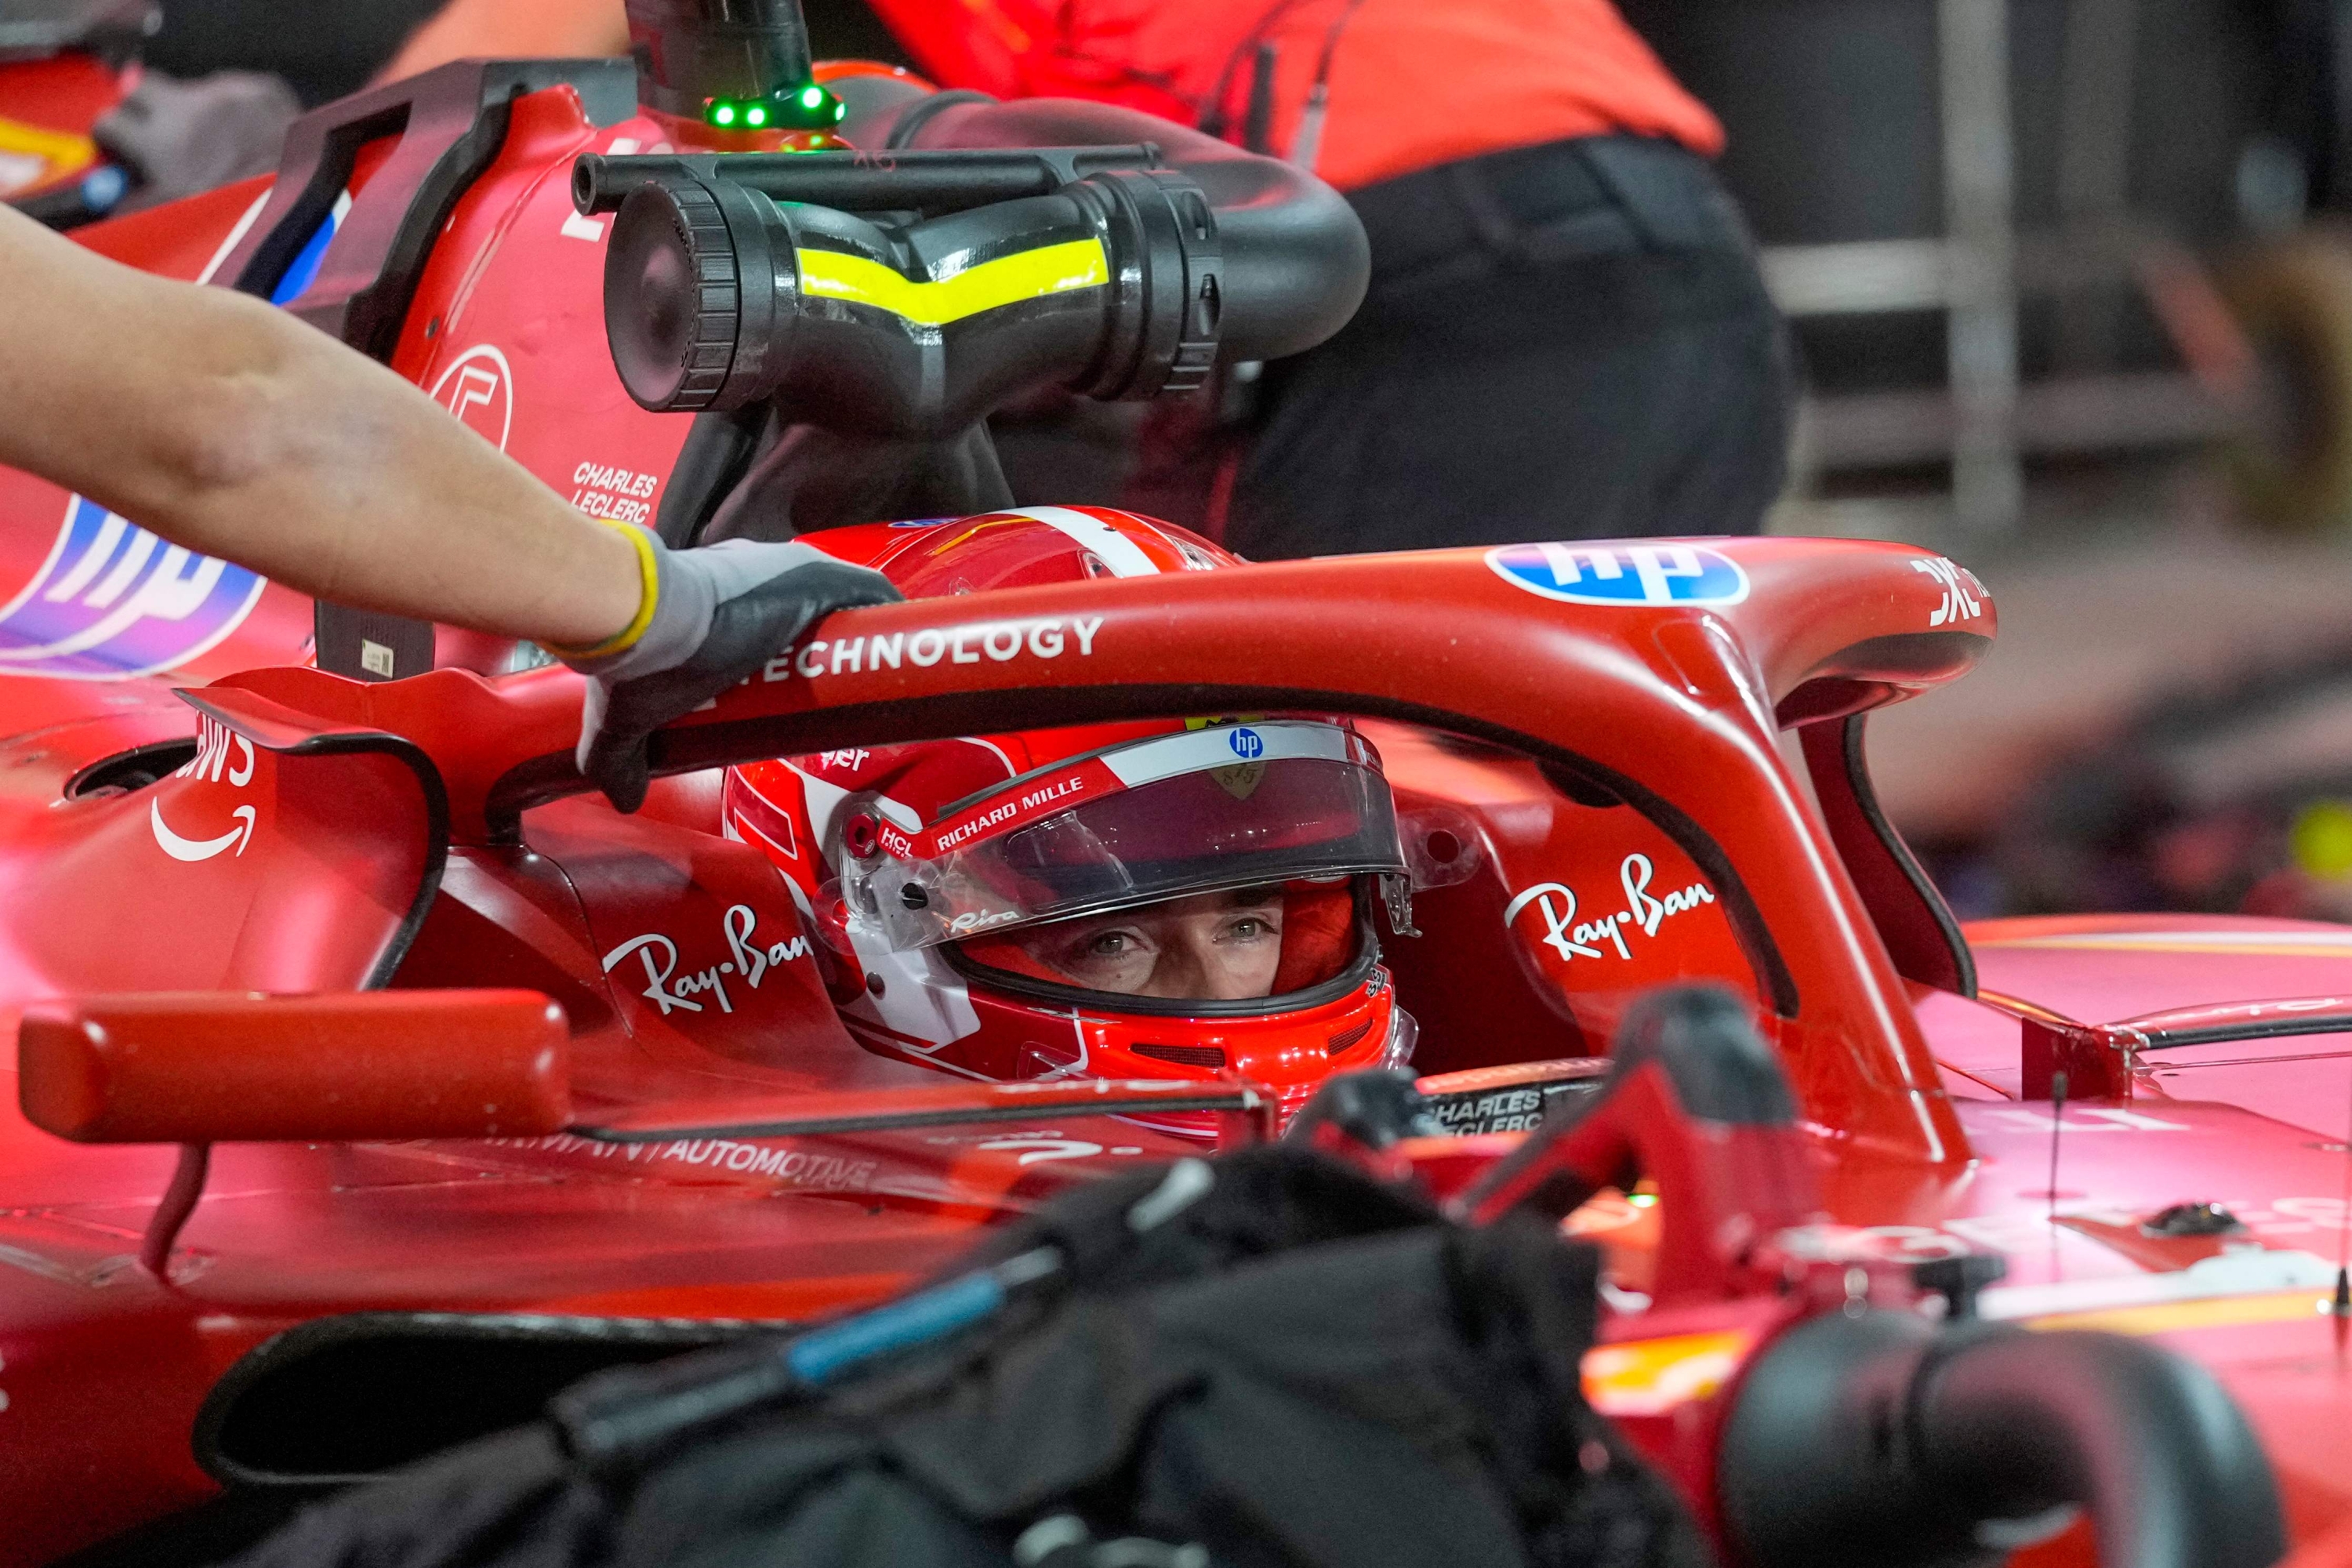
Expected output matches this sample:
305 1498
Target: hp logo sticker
1247 745
1638 575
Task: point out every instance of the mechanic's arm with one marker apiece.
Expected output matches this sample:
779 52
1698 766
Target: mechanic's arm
510 30
230 427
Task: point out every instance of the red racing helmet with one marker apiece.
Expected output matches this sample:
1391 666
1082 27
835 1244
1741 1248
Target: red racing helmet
1186 898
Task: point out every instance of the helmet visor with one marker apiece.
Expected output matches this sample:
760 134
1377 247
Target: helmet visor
1231 806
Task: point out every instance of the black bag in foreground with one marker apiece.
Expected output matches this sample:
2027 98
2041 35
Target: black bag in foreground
1269 1360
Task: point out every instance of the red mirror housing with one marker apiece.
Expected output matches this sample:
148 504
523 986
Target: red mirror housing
235 1066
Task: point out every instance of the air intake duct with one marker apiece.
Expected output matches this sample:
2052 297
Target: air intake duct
1884 1440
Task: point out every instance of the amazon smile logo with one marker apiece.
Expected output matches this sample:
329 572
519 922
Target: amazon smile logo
215 744
180 849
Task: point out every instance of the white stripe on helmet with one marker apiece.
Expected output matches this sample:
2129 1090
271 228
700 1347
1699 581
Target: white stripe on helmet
1226 745
1113 549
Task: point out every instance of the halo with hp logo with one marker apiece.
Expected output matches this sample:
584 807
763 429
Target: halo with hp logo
1637 576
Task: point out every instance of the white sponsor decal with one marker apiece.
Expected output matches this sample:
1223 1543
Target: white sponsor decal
114 601
997 641
215 742
2023 1119
1649 575
1037 1147
829 1172
749 963
1963 594
477 387
974 826
1503 1110
1049 1142
823 1172
180 849
1644 911
602 490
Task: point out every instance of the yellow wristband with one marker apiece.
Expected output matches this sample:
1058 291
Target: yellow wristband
649 590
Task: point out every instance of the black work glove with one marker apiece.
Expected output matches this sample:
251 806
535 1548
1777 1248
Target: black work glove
714 614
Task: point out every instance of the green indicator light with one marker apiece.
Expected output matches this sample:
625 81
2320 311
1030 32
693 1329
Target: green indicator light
811 96
723 114
840 111
755 114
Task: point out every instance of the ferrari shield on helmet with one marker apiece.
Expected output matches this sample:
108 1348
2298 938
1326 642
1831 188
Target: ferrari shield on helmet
1187 898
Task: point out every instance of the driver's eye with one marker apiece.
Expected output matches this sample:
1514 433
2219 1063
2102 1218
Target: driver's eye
1111 944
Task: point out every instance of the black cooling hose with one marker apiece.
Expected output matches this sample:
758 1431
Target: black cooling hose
1879 1441
1295 260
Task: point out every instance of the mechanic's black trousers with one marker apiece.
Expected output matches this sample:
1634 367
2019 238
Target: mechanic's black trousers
1570 341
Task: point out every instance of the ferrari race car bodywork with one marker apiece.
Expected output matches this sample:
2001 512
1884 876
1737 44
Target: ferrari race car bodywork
1642 763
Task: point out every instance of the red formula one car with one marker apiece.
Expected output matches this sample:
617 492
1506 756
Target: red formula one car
376 1078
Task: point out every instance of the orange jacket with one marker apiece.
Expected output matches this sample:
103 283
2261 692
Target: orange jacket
1413 82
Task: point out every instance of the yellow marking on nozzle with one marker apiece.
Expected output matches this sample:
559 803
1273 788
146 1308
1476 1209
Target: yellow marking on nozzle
1025 275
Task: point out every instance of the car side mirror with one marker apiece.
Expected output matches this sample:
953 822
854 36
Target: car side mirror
240 1067
200 1068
